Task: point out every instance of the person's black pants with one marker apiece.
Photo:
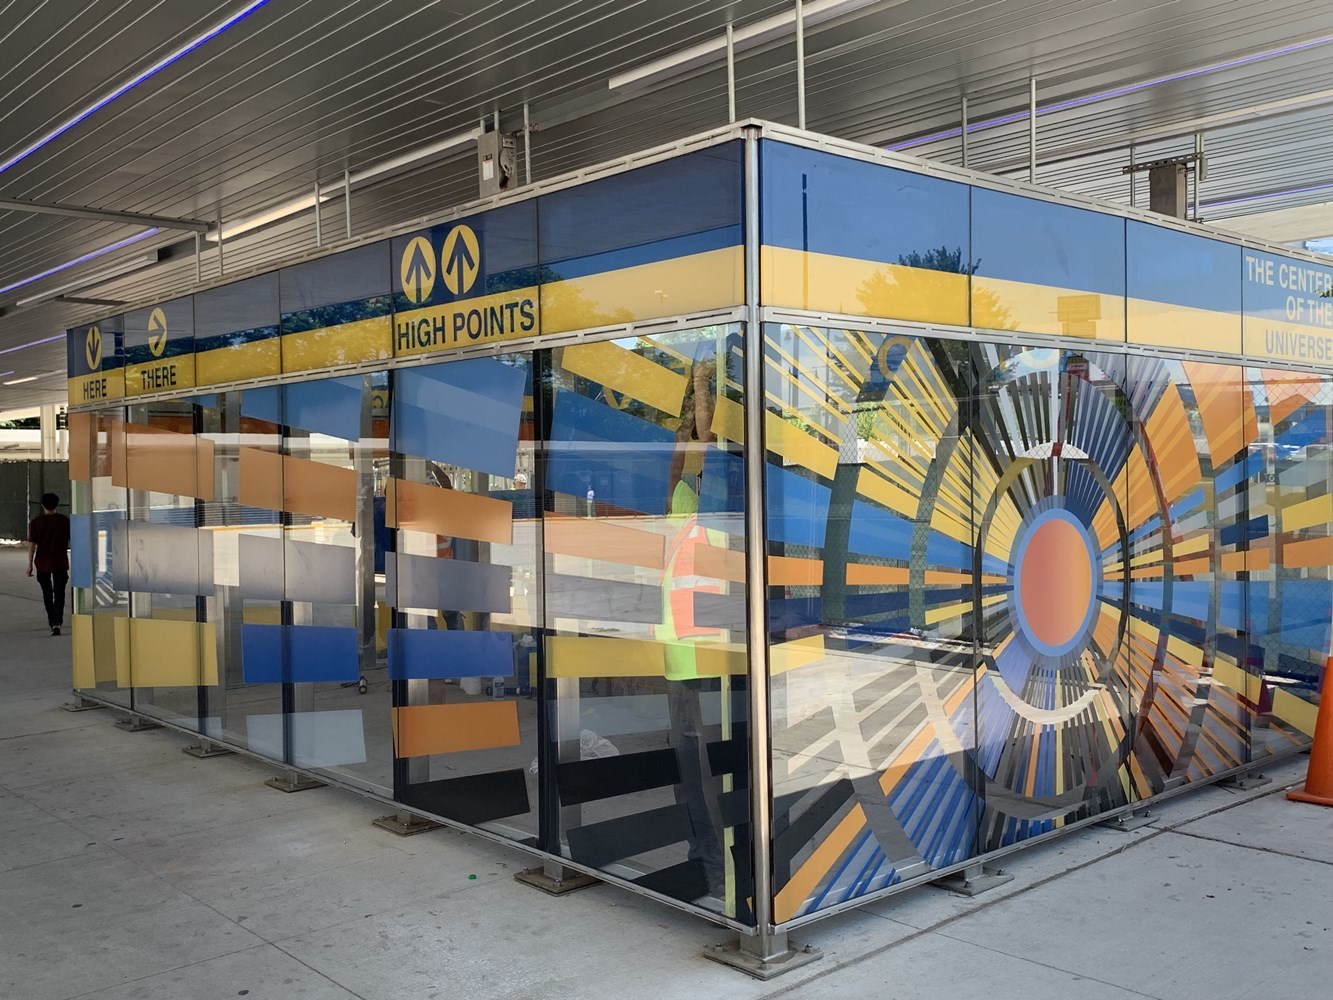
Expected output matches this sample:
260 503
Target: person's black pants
53 595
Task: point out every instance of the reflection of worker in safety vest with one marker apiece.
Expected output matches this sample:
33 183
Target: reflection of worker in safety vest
698 790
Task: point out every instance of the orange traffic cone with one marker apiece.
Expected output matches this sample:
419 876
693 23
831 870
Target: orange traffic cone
1318 787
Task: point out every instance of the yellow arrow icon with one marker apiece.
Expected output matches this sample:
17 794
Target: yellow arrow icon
92 348
157 332
417 270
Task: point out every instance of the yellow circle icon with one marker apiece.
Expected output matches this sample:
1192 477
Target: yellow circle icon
157 332
460 260
92 348
417 270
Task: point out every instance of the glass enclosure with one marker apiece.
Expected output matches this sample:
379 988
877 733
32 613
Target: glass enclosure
461 518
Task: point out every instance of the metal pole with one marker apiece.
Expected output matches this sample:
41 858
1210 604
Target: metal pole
347 201
1132 174
527 146
221 267
319 227
1032 130
756 589
731 74
800 64
963 134
1200 171
198 260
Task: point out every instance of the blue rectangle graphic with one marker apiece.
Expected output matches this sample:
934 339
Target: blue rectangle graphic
418 654
298 654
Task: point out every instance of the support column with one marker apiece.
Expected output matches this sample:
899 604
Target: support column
50 435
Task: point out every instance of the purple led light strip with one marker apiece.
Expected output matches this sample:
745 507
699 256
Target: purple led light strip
133 82
1106 95
91 255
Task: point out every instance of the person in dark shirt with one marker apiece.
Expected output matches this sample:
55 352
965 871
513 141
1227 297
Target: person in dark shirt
48 552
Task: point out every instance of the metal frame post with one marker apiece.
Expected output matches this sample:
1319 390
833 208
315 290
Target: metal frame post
963 134
347 201
731 73
800 64
319 222
1032 130
527 146
767 952
198 260
222 269
1132 174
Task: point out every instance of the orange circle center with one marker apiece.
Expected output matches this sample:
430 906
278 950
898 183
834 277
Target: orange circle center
1055 582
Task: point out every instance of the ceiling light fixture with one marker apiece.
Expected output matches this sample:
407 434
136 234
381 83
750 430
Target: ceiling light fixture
134 81
20 381
92 255
813 12
1106 95
115 270
334 189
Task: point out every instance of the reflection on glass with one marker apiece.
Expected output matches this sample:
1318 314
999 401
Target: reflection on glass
644 578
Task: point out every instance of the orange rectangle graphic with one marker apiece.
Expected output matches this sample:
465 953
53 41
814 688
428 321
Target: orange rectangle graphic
421 507
161 461
297 485
80 447
600 539
422 730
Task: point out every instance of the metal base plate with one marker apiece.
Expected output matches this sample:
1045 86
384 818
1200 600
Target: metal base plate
405 826
1126 822
733 954
1244 782
972 883
567 881
80 705
136 724
293 783
205 749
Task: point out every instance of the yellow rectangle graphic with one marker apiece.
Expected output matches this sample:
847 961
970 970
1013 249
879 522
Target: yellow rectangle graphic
595 656
829 283
423 730
97 387
714 279
1000 304
157 652
615 367
234 364
161 375
1161 324
344 344
798 447
486 319
1308 513
81 627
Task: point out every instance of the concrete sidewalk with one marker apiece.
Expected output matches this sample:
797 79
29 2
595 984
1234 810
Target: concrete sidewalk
131 871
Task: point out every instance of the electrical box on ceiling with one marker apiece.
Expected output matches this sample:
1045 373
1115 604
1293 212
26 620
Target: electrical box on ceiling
497 159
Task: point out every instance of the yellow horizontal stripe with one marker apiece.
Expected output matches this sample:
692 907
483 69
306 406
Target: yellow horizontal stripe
345 344
890 494
232 364
161 375
158 652
829 283
1308 513
711 280
1295 711
1283 341
97 387
1163 325
795 654
798 447
608 364
591 656
486 319
1000 304
729 420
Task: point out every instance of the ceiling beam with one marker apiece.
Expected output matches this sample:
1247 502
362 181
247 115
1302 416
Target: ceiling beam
101 215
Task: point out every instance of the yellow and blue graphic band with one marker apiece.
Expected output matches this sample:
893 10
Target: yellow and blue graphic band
1288 309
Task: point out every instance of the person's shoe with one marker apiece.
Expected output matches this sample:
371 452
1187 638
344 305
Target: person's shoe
55 629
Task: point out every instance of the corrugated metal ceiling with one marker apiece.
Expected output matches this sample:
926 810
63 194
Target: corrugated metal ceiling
303 89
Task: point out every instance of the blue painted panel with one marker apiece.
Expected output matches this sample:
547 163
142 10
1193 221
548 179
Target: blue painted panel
324 406
626 460
80 550
313 653
416 654
1042 243
797 508
1183 269
466 413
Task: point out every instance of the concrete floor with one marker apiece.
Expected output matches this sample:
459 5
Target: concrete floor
130 871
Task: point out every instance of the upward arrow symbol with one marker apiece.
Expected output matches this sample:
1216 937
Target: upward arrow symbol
419 273
460 264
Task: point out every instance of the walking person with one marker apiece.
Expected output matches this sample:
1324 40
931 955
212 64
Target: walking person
48 553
